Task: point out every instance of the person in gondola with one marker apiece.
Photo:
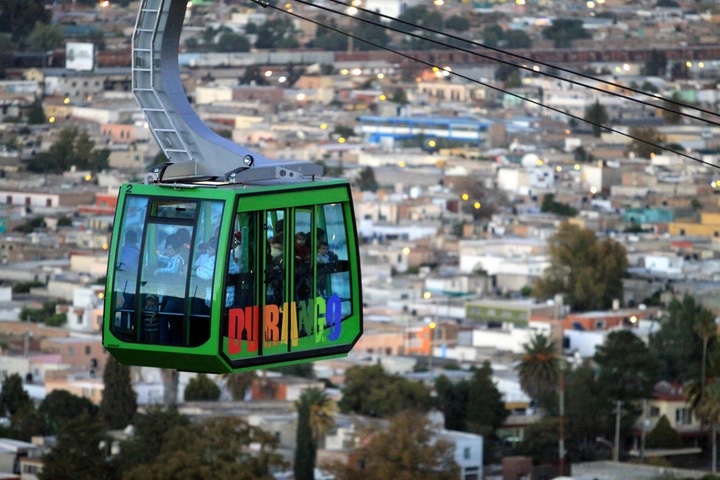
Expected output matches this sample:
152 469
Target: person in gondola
172 273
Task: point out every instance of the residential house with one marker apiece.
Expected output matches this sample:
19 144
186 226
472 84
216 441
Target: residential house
83 354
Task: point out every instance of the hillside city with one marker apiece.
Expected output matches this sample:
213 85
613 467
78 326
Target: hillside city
536 199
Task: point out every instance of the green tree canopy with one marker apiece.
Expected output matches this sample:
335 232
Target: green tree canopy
587 271
663 435
564 30
36 113
61 406
366 181
656 65
316 415
79 453
405 449
73 147
326 39
596 115
45 37
677 344
549 205
539 370
626 377
232 42
216 448
18 17
276 33
588 411
201 388
13 396
540 441
372 392
119 401
151 433
647 139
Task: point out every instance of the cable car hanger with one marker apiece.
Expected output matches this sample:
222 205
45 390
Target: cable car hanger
195 152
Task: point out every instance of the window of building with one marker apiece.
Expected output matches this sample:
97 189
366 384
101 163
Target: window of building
70 351
466 453
88 350
654 412
683 416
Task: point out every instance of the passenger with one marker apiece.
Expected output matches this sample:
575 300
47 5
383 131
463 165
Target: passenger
151 320
172 258
129 253
171 321
323 253
301 249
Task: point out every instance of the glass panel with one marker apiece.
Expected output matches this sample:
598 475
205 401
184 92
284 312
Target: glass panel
164 278
275 268
337 281
304 272
203 271
126 267
243 314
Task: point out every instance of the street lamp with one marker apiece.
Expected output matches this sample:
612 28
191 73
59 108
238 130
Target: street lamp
608 444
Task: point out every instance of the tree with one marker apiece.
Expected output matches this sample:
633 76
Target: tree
171 380
119 401
238 383
370 391
539 370
656 65
588 411
486 410
316 415
18 17
79 453
457 23
564 30
453 399
45 37
549 205
404 450
61 406
36 113
677 344
73 147
597 116
626 378
540 441
648 141
13 396
326 39
276 33
151 431
232 42
216 448
378 33
672 113
586 271
663 436
366 180
201 388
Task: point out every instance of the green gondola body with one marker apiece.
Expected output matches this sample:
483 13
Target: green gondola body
220 278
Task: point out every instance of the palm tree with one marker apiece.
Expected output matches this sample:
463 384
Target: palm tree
171 381
539 369
707 407
238 383
316 415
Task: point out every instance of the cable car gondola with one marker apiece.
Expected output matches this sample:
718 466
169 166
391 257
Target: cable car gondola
223 260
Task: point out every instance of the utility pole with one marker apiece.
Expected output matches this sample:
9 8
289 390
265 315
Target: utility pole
561 439
616 452
644 427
